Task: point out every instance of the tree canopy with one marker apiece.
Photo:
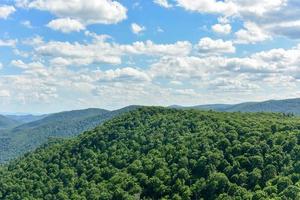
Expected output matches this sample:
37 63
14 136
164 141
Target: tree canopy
159 153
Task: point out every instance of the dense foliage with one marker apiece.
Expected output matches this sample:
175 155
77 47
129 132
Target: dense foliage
158 153
29 136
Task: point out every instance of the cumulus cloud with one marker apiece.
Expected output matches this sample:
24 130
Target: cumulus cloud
4 93
150 48
8 43
6 11
211 77
209 6
251 34
126 74
137 29
27 24
85 12
222 28
278 17
20 64
66 25
260 72
209 46
163 3
102 51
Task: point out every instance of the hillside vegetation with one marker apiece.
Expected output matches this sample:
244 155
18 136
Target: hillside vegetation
29 136
158 153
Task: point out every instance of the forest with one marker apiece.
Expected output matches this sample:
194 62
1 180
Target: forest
26 137
163 153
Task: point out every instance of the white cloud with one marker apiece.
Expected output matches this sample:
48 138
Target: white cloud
27 24
160 30
251 34
4 93
87 12
137 29
8 43
100 50
163 3
222 28
126 74
66 25
270 74
250 8
1 65
20 64
34 41
209 6
6 11
180 68
150 48
209 46
277 17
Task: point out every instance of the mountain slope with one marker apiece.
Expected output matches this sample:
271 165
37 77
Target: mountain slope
62 117
217 107
25 118
158 153
27 137
280 106
6 122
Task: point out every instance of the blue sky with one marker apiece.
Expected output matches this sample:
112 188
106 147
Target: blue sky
57 55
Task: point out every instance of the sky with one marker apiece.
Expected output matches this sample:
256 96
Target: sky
60 55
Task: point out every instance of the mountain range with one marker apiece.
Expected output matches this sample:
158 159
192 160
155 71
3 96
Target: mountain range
26 137
6 122
20 134
288 106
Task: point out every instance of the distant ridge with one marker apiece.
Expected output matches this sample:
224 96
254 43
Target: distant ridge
278 106
6 122
25 118
26 137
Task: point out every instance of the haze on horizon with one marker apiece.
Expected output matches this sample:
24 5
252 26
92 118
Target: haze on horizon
60 55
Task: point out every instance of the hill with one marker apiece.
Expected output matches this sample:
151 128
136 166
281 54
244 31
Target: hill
25 118
6 122
158 153
282 106
29 136
287 106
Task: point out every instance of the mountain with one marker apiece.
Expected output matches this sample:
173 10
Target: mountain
217 107
6 122
287 106
282 106
29 136
159 153
25 118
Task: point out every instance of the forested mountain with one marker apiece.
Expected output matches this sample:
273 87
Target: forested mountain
159 153
6 122
29 136
281 106
25 118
